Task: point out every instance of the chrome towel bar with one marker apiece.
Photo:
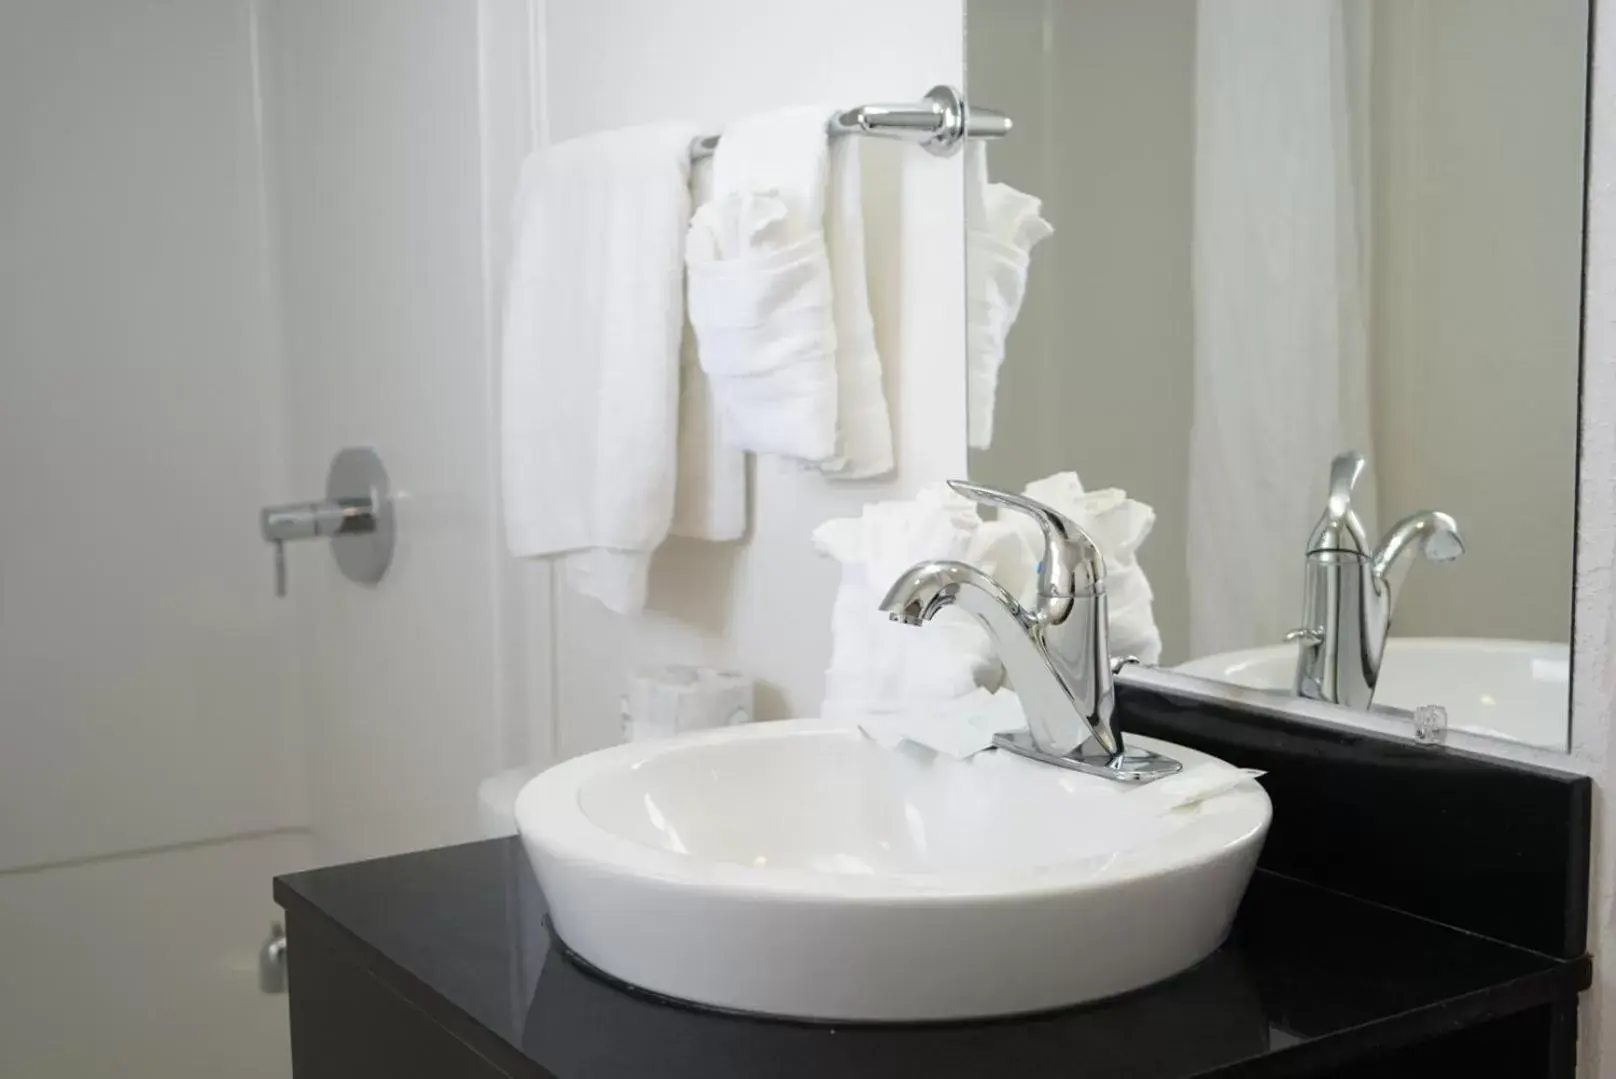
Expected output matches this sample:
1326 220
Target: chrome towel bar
938 123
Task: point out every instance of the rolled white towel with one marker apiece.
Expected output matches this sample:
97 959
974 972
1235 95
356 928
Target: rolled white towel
1118 525
877 665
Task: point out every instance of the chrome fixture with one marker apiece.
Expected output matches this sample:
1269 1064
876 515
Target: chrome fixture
272 961
939 123
1056 653
357 515
1350 590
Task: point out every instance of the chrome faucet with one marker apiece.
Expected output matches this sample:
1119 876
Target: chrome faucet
1350 590
1055 652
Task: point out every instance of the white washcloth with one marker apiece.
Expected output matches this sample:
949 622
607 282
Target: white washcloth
1118 525
1199 784
710 496
960 728
877 665
1001 227
591 356
778 297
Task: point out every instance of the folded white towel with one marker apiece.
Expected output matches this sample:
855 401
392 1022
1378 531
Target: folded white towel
710 496
1001 227
778 297
1118 525
759 287
591 356
877 665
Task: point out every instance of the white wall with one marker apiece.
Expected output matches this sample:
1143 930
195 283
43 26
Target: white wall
1593 659
1478 181
146 674
764 606
1097 375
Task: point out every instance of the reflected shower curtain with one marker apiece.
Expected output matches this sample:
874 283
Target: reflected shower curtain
1281 301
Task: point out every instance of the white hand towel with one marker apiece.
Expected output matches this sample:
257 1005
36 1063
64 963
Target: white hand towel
710 495
1001 227
591 356
1118 525
780 309
863 425
877 665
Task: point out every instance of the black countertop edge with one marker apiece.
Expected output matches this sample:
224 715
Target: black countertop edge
1559 981
409 986
1419 1024
1582 961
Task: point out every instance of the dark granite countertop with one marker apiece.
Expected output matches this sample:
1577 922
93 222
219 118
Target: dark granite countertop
1309 979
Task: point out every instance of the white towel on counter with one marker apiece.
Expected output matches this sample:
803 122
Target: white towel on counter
591 356
1118 525
778 297
709 500
1001 227
958 728
877 665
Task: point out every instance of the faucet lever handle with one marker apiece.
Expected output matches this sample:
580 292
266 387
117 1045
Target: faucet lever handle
1340 528
1071 564
1345 471
280 568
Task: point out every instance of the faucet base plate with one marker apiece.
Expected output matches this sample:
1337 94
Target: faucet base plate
1129 766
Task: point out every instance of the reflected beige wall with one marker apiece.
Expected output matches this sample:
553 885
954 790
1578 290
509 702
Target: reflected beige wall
1477 127
1476 139
1097 378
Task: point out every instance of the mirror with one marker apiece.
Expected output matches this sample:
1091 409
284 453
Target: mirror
1278 231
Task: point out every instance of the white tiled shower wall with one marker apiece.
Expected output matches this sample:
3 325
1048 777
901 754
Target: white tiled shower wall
147 676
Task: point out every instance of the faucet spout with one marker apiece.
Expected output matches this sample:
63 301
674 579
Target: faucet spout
927 587
1433 533
1060 669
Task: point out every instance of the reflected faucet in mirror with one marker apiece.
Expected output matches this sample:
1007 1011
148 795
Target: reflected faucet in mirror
1351 590
1056 651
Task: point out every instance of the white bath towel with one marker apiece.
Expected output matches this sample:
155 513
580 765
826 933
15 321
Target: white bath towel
710 495
591 356
1001 227
778 298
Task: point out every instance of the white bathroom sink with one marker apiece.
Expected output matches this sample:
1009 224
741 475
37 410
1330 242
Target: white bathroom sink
798 869
1518 690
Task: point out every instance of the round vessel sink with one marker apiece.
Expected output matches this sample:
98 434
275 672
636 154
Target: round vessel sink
798 869
1519 690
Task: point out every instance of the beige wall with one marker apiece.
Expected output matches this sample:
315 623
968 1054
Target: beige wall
1477 132
1097 376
